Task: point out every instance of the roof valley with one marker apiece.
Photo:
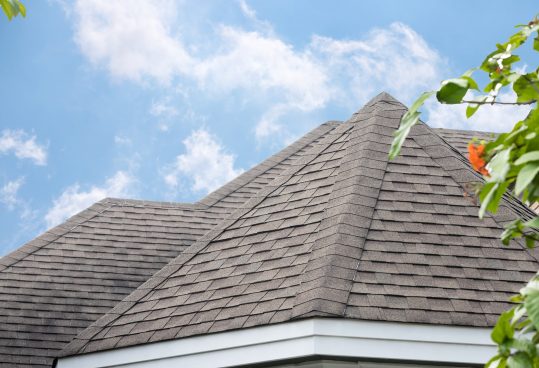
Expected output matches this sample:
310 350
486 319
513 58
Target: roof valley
326 283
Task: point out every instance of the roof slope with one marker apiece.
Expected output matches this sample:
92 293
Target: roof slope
459 139
342 233
56 285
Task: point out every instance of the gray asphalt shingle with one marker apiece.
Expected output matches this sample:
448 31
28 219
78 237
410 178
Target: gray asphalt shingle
342 232
326 227
55 286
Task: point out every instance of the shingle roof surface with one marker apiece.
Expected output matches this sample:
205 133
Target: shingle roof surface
56 285
460 138
341 232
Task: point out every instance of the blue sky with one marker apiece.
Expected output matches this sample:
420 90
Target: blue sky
167 100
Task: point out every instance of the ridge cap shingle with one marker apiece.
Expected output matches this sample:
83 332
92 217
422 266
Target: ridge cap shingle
144 203
349 212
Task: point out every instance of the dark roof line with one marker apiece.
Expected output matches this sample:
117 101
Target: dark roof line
217 195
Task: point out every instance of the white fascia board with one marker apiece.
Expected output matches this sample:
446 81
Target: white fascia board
317 336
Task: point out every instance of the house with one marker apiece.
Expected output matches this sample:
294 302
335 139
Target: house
324 255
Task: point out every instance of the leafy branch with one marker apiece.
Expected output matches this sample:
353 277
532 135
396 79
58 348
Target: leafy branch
509 163
12 8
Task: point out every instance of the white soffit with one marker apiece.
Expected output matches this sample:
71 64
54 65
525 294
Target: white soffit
304 338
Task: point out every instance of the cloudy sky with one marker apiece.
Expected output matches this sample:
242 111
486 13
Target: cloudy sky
167 100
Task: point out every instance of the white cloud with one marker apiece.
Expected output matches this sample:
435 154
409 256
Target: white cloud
163 108
9 193
122 140
266 69
147 40
74 199
206 164
257 63
23 146
250 14
396 59
131 38
497 118
9 197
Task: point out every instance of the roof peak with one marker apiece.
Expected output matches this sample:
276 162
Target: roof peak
384 97
383 106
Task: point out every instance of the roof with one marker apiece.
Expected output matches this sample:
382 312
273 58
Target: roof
460 139
55 286
341 232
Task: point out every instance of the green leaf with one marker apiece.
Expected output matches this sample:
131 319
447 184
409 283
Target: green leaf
530 136
531 303
526 176
21 7
452 91
527 157
420 101
519 360
486 195
495 362
531 287
503 329
533 223
512 230
536 43
526 87
472 108
7 8
12 8
469 72
409 119
499 165
472 84
524 345
490 196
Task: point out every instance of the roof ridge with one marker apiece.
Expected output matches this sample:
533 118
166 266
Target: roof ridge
269 163
55 233
326 284
163 204
442 129
79 343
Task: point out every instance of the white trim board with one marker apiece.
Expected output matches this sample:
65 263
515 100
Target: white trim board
329 337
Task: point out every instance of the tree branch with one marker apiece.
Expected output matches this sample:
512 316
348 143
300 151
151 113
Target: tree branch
499 102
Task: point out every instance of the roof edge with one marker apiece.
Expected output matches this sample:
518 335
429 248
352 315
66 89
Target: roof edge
55 233
217 195
361 340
